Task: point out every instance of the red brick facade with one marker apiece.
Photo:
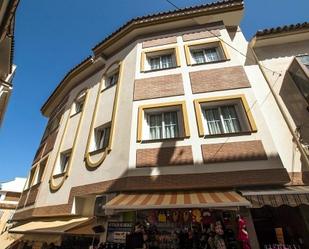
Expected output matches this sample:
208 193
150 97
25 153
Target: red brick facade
158 87
235 151
200 35
32 195
218 79
164 156
165 182
160 41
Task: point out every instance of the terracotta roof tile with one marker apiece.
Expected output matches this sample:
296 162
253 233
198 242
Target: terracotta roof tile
281 29
151 17
148 18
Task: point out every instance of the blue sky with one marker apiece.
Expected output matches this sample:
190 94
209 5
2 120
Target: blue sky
51 37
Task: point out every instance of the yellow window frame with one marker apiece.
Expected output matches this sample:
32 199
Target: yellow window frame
143 108
241 97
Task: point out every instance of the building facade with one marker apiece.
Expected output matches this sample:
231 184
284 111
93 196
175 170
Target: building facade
7 69
168 118
9 196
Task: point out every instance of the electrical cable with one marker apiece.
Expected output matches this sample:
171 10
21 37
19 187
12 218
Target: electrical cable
241 53
253 60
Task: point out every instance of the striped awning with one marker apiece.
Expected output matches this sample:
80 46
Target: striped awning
291 196
168 200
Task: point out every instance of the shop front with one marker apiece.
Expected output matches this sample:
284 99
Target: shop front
280 216
57 233
180 220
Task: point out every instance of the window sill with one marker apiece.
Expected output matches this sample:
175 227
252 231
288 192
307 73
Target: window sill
163 140
234 134
161 69
108 87
75 114
94 152
210 62
59 175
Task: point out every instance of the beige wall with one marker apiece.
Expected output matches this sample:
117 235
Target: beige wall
278 58
121 160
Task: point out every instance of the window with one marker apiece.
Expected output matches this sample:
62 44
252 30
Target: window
304 59
162 121
79 103
64 162
112 79
161 62
163 125
221 119
102 137
205 53
225 115
201 56
158 60
40 173
30 178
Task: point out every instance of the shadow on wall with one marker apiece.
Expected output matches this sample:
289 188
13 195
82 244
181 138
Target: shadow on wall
296 105
297 108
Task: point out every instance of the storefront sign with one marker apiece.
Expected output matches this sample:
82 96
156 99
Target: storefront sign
117 231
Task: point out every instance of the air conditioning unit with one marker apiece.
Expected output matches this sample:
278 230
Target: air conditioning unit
99 204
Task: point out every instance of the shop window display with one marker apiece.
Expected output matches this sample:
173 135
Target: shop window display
186 229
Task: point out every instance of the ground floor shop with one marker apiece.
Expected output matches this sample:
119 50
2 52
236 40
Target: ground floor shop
248 219
280 217
195 228
180 220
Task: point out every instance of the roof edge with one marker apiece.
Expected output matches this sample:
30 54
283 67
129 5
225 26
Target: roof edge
175 14
71 74
282 29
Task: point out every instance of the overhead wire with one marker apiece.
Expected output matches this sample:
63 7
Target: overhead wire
247 57
218 37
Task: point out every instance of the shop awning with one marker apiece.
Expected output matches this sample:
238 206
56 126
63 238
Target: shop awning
197 199
291 196
7 239
50 226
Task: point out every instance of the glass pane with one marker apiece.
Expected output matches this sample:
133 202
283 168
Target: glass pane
166 61
64 162
304 59
171 125
154 63
198 56
212 54
213 121
155 126
106 137
112 80
231 122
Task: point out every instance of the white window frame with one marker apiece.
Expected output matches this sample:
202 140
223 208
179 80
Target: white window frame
95 140
110 79
162 110
203 48
160 54
30 178
243 121
61 168
40 172
79 103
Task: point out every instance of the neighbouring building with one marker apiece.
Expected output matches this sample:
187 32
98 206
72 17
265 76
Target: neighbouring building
7 69
171 123
9 196
285 50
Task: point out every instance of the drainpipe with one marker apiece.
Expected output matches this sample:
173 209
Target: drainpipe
285 117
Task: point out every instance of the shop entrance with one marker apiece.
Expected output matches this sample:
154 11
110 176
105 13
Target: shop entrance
176 229
281 225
